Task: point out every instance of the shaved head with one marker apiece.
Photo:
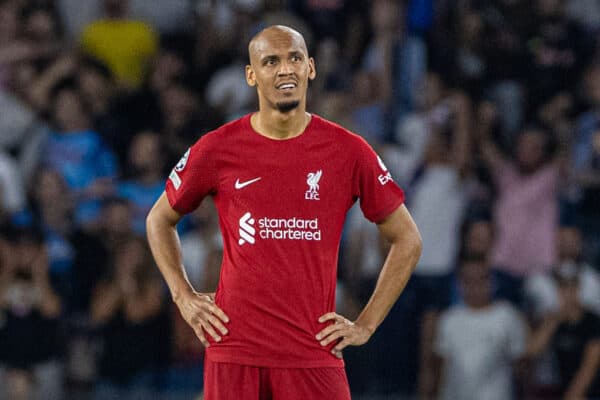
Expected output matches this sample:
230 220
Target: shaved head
275 34
280 68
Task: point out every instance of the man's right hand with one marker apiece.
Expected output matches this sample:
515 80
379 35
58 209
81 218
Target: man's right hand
203 315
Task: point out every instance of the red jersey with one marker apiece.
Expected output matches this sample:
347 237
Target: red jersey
282 206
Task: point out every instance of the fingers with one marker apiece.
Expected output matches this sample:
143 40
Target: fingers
327 331
337 349
208 328
329 316
200 334
344 331
205 318
217 324
339 333
215 310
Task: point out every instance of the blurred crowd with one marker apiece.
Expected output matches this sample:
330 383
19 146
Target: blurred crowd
486 112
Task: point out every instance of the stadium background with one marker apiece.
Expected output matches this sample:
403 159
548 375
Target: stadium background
487 112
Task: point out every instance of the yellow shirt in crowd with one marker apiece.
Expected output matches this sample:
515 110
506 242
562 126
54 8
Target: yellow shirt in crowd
125 46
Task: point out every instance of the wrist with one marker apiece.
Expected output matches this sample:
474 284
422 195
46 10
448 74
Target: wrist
369 326
180 292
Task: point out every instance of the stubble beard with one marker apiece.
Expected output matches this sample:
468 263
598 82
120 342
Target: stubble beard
287 106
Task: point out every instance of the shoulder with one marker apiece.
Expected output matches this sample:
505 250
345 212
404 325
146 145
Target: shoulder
223 134
453 315
507 311
337 131
212 144
353 145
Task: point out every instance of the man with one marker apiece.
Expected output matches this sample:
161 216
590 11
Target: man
479 344
573 334
282 181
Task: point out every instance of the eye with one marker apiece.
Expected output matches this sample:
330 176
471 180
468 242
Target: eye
296 58
270 62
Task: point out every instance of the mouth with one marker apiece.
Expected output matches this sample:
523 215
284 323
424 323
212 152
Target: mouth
286 86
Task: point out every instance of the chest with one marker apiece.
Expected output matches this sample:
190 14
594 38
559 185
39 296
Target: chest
290 180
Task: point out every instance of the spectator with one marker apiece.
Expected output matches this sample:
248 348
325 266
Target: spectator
478 343
79 155
438 197
12 198
98 89
116 223
525 210
15 47
573 333
145 184
506 27
413 131
29 309
558 52
128 306
126 46
478 238
585 164
541 290
76 258
378 56
368 110
185 117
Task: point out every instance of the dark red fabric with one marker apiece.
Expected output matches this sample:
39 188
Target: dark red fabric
224 381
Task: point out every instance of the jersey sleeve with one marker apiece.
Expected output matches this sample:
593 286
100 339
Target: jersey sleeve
379 195
193 178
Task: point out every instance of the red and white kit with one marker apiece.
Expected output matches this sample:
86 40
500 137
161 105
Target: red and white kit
282 206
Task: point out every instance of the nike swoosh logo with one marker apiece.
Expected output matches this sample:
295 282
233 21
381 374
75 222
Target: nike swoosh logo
240 185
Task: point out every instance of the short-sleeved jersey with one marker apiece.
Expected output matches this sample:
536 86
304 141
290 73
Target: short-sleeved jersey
281 206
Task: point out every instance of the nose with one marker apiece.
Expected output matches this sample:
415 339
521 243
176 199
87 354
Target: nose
286 68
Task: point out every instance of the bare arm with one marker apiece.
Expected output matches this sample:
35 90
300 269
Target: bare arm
587 371
197 309
402 233
461 144
162 235
38 92
400 230
540 338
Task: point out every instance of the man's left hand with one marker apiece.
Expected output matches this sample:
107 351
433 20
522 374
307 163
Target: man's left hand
350 333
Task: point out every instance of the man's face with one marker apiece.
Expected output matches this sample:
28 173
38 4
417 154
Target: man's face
475 279
280 69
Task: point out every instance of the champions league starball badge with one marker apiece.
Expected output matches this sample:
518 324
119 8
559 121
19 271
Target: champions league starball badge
181 164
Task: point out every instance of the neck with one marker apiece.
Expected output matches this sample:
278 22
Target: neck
277 125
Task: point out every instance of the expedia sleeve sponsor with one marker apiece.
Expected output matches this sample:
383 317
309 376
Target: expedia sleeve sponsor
378 193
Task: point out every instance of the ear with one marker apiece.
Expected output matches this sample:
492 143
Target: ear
250 76
312 71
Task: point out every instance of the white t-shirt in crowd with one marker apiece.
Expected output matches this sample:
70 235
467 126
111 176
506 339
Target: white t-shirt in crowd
478 347
437 202
12 196
542 293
